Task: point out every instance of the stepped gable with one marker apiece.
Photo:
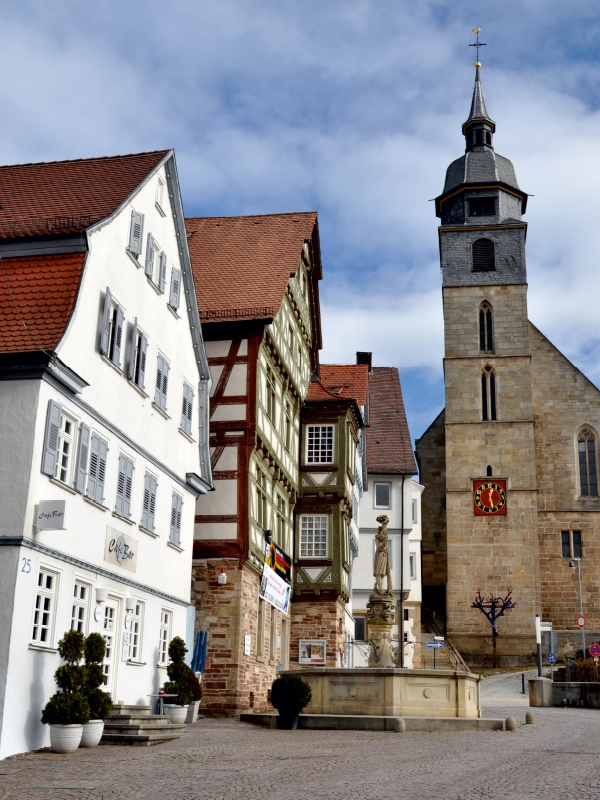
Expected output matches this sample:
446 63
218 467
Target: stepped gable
389 447
242 265
65 196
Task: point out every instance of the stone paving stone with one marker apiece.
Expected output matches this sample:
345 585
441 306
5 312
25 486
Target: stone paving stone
223 759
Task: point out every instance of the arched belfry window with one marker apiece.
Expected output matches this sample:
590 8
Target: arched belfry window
586 448
486 331
488 394
484 258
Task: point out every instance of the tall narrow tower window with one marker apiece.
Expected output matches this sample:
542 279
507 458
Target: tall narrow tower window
483 255
488 394
586 446
486 339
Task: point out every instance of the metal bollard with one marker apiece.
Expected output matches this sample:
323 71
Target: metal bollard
522 683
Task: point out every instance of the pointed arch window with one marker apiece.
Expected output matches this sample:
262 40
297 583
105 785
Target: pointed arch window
484 257
486 329
586 448
488 394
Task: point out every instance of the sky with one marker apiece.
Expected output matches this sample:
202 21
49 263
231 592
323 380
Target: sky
350 107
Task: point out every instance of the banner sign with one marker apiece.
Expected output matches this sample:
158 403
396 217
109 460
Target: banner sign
279 562
312 651
274 589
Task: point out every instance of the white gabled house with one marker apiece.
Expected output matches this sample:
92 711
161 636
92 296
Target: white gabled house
104 387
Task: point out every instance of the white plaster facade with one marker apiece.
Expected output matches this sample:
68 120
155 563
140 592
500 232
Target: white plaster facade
147 596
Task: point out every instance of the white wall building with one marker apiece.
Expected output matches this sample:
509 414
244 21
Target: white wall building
390 491
104 390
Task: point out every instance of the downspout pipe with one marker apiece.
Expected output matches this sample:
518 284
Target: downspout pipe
401 604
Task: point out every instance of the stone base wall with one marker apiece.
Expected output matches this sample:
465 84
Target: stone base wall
233 682
513 650
317 619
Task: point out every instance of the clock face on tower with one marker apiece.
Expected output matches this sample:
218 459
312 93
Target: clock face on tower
489 497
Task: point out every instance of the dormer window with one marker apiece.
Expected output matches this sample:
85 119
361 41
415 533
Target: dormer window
482 207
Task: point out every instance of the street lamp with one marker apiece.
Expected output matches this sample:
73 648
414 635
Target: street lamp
572 563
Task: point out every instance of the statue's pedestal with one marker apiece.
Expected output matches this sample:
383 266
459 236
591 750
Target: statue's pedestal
380 621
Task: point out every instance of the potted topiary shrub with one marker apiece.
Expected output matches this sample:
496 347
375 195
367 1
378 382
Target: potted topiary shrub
196 687
98 700
67 711
289 695
179 672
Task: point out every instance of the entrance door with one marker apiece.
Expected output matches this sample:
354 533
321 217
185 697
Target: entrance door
110 631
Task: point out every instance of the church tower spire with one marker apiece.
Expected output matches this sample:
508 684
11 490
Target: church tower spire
479 127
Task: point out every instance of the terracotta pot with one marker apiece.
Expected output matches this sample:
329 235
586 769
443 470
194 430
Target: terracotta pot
177 714
65 738
92 733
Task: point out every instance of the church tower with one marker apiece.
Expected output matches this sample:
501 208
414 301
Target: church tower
490 489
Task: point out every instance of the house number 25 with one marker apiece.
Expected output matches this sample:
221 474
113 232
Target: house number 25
26 565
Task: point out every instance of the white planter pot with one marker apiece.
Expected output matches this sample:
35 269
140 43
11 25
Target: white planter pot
192 711
92 733
177 714
65 738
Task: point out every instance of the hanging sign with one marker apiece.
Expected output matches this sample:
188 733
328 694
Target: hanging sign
51 515
489 498
274 589
120 549
279 561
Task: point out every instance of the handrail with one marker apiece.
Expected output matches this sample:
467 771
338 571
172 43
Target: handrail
432 627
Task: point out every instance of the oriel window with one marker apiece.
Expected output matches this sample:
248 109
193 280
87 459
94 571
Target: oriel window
486 335
586 446
488 394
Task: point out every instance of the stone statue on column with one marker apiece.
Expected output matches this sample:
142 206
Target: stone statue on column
380 608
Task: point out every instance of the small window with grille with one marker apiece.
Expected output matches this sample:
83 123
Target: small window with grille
319 444
484 257
313 536
79 609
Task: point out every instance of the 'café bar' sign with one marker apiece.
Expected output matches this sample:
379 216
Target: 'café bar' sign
51 515
120 549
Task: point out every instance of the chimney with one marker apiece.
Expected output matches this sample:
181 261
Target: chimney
364 358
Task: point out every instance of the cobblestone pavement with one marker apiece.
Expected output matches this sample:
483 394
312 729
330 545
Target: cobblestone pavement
556 758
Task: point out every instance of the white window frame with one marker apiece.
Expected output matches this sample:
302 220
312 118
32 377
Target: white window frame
136 629
80 606
415 510
45 593
309 548
164 636
329 456
364 620
71 456
382 483
412 564
160 193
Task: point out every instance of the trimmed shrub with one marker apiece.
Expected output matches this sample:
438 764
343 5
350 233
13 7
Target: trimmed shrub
69 706
179 673
99 701
290 694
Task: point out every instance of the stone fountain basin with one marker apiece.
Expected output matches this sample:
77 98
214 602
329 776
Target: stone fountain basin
393 692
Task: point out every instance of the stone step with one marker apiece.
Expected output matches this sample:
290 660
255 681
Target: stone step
124 719
121 710
142 730
141 740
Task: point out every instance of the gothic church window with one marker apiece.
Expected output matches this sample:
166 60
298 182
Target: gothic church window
488 394
486 339
484 259
586 447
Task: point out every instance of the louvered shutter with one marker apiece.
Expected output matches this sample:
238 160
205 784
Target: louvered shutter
162 275
105 335
141 377
82 457
131 351
51 438
160 362
176 508
165 385
175 288
136 233
101 479
149 268
118 337
121 482
152 509
186 410
92 484
128 488
146 502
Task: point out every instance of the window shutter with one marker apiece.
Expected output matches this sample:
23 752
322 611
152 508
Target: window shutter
50 455
128 487
152 504
118 338
162 275
132 347
92 484
142 361
176 508
165 385
160 364
121 481
82 457
149 268
186 410
105 335
101 479
146 502
136 233
175 288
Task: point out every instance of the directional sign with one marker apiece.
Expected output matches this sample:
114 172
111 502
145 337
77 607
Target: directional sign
435 645
551 658
595 650
581 621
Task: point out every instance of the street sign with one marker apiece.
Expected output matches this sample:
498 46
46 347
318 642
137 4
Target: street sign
551 658
581 621
439 638
545 626
595 650
435 645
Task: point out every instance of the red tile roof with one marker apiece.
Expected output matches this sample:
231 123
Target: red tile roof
242 265
63 196
37 295
346 380
317 392
389 446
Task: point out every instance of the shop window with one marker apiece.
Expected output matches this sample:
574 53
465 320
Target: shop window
44 608
79 609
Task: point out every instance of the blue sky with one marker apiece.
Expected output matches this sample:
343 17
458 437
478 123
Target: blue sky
353 108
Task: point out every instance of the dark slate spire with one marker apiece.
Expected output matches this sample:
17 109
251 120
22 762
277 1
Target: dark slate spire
478 109
478 129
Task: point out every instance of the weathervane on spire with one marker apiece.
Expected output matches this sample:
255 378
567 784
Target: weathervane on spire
477 43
